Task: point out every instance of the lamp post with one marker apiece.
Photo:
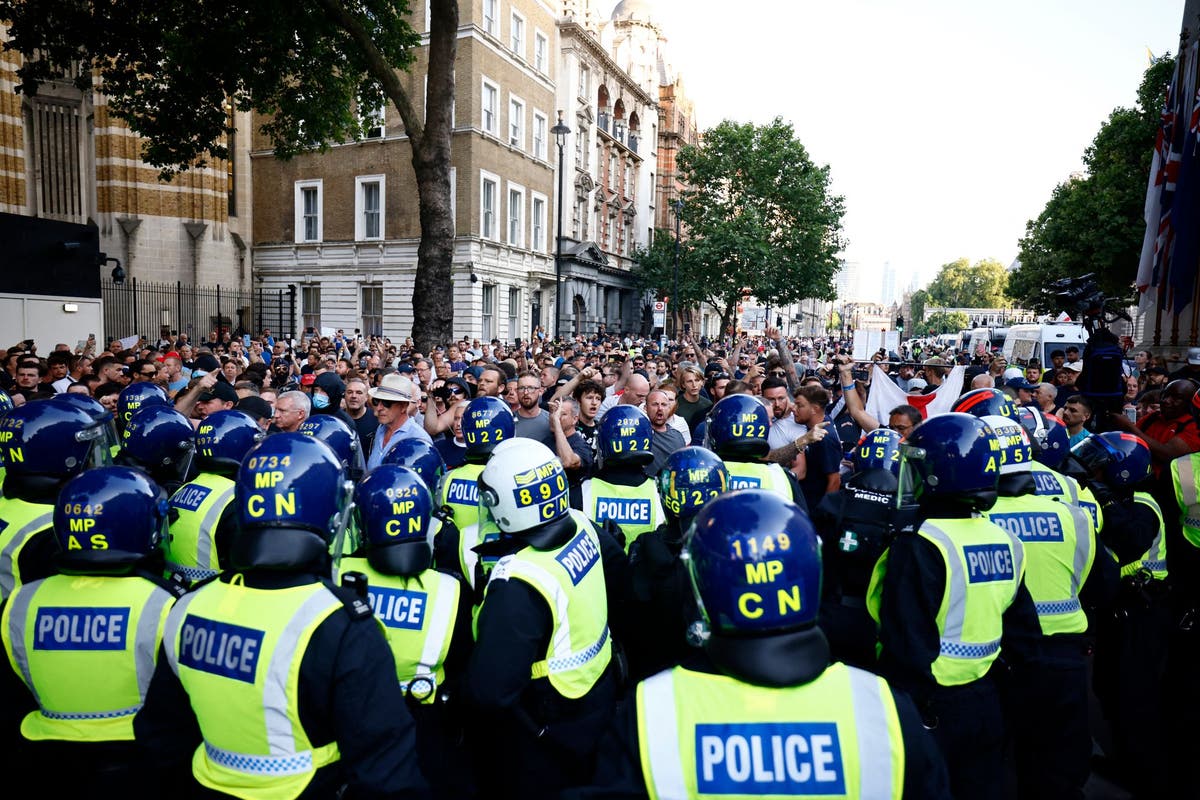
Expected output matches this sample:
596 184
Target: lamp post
677 207
559 132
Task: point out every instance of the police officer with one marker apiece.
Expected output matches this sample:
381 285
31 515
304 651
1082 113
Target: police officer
135 397
341 437
161 442
856 524
422 458
486 423
83 642
202 510
951 596
6 405
661 598
738 426
1131 645
541 675
273 682
760 710
44 445
620 494
426 613
111 442
1053 741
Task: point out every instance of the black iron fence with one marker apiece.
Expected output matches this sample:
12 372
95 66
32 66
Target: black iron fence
158 310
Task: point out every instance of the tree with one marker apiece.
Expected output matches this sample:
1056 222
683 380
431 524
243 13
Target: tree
945 322
169 67
1094 222
916 309
961 284
759 215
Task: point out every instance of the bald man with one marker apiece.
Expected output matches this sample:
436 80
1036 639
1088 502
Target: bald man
636 389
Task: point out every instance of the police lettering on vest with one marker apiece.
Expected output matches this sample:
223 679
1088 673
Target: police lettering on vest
578 557
463 492
220 648
1046 483
81 628
780 758
399 608
623 510
989 562
743 482
190 497
1031 527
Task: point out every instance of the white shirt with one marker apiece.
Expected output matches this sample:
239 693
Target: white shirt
784 431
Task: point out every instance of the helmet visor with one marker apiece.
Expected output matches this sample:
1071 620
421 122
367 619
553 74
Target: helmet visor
1092 454
911 481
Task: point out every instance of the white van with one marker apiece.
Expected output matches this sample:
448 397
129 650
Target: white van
1040 340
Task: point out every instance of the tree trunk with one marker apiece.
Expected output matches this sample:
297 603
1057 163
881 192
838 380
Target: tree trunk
433 288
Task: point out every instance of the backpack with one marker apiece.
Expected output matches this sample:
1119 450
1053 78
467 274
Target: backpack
1103 375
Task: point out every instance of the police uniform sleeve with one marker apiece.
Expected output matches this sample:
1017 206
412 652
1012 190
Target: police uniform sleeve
445 546
618 773
797 492
1129 529
925 773
912 593
223 537
165 728
36 559
462 637
15 702
618 582
513 630
1022 630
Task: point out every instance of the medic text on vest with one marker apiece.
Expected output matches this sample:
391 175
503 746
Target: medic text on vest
190 497
230 651
779 758
399 608
989 562
80 628
578 557
464 493
743 482
623 510
1030 526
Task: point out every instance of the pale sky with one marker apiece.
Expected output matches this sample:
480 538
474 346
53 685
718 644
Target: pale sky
946 123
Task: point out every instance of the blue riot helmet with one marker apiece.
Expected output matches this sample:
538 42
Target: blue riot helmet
99 413
688 479
877 449
292 499
341 438
487 422
624 437
6 403
754 561
222 440
1047 436
394 510
1016 453
137 396
421 457
986 403
1119 460
738 426
42 439
161 441
108 519
950 459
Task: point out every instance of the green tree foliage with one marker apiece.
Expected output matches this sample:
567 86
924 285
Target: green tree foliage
943 322
1094 222
961 284
916 306
759 216
170 67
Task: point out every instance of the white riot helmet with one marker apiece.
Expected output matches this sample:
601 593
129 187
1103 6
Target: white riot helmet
1014 444
523 487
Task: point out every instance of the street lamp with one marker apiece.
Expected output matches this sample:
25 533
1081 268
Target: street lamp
559 132
677 207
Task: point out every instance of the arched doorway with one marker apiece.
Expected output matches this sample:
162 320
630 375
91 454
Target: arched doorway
578 312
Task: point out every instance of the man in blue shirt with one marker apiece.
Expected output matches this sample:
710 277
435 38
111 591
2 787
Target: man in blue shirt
393 401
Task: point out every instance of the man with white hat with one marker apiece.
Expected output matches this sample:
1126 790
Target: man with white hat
393 401
1191 369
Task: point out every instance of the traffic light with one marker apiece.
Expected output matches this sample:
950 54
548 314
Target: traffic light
900 323
779 321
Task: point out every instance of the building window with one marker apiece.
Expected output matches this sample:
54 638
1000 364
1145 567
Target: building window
612 172
541 46
372 310
308 221
310 307
491 110
539 223
580 226
487 208
489 301
539 135
58 160
514 313
368 206
629 179
517 34
612 235
516 215
491 17
372 120
583 81
516 122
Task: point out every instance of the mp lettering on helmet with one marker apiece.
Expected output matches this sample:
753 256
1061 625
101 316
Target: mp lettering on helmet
987 563
545 487
284 504
578 557
80 628
219 648
399 608
1031 526
775 758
